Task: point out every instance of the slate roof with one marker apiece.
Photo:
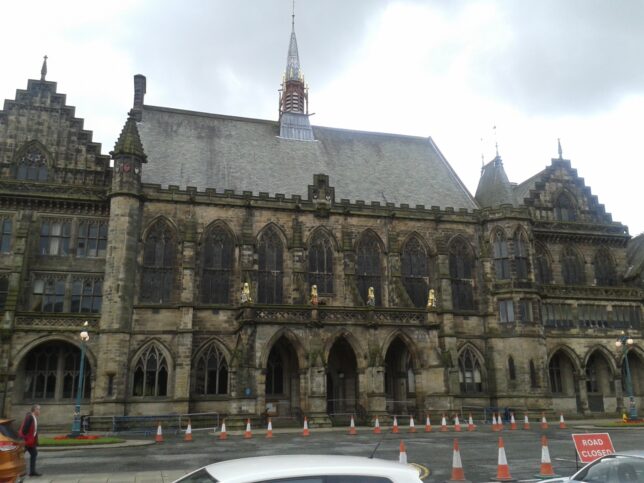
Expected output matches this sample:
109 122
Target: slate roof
188 148
494 188
635 260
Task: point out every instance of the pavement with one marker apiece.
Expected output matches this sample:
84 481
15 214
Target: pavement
165 475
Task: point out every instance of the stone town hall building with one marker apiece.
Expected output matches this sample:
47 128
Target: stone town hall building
532 282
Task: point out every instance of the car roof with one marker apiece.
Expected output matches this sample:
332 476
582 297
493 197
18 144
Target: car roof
639 453
285 466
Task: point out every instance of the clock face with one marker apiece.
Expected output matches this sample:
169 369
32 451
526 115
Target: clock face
126 167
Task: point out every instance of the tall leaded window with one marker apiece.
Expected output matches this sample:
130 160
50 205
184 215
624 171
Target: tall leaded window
554 372
534 380
5 235
512 370
572 268
605 274
506 311
368 269
461 268
274 374
32 166
87 295
543 272
271 268
321 264
217 266
92 239
4 291
521 256
159 261
501 256
415 271
48 294
212 372
150 374
469 371
54 237
565 209
52 371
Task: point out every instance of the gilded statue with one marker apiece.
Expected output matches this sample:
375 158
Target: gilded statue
314 295
431 299
245 295
371 298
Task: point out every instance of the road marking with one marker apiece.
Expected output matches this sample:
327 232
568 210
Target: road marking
423 471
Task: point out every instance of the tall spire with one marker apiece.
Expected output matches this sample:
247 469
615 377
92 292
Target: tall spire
559 148
43 70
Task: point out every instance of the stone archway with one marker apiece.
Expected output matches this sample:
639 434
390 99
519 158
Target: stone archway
400 380
599 381
341 379
563 383
282 384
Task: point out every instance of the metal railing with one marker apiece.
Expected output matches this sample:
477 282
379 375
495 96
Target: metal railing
147 425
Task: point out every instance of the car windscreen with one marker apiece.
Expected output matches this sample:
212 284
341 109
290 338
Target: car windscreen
201 476
7 430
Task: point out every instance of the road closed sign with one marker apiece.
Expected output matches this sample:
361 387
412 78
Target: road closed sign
591 446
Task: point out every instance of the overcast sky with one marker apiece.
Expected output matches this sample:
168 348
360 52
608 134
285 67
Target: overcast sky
538 70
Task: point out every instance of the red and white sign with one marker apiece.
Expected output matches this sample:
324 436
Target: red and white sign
591 446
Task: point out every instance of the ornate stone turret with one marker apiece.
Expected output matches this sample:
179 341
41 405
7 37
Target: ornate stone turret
128 157
494 188
294 97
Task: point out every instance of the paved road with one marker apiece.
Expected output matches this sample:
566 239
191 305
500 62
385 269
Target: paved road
434 450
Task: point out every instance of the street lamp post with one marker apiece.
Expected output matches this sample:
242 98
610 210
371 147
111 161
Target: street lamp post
76 425
624 342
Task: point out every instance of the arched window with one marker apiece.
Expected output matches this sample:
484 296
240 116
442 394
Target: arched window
271 268
501 256
52 371
543 272
5 235
554 371
321 264
159 264
274 374
469 372
605 274
212 372
565 208
521 256
217 266
368 268
572 268
151 374
512 371
32 165
534 381
415 271
461 268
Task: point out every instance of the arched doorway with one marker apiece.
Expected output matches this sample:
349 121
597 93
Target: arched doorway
563 386
341 379
400 381
282 386
599 381
50 372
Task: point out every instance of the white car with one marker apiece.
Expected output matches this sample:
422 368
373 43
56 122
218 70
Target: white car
305 469
622 467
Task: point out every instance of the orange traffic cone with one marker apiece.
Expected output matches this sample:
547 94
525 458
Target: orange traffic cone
470 424
562 423
159 437
499 422
402 458
513 423
223 434
248 434
305 430
457 465
428 424
376 426
352 426
269 429
495 425
457 424
188 436
444 427
503 470
526 422
546 465
394 428
412 426
544 422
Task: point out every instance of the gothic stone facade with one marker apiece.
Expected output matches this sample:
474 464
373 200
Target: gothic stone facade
529 296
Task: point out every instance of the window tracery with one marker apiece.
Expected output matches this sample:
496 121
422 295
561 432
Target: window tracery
159 265
501 256
270 268
151 374
415 271
368 267
5 235
461 268
87 295
212 372
572 268
32 166
605 273
321 264
521 256
217 267
55 236
91 240
469 372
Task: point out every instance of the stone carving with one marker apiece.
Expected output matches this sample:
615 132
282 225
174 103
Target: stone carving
314 295
371 298
431 299
245 295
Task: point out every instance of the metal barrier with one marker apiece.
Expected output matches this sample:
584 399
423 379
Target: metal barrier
400 409
147 425
199 421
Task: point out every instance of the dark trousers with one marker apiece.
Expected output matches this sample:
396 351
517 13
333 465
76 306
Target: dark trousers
33 453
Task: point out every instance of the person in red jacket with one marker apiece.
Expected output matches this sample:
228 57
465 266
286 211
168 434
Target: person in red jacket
29 431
